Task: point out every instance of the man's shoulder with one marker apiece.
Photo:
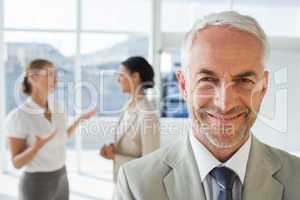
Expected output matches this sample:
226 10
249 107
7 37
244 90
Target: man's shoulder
288 161
288 174
153 163
143 177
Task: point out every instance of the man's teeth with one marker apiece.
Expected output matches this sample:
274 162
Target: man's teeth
225 118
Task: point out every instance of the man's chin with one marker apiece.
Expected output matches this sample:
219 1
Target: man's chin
221 140
230 139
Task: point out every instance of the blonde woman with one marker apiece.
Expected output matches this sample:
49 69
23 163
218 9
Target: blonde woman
37 136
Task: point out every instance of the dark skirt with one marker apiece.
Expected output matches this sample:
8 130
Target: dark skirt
44 186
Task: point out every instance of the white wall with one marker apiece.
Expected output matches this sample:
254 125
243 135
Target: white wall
279 121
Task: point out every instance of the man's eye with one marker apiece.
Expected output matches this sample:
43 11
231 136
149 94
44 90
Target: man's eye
208 79
244 80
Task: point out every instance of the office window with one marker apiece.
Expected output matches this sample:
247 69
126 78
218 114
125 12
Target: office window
23 47
278 18
173 105
36 14
101 56
179 16
116 15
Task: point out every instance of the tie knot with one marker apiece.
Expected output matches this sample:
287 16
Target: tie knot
224 176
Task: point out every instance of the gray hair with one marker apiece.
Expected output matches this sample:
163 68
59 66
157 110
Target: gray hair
229 18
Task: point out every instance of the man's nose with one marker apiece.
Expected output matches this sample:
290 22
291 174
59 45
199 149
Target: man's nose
225 97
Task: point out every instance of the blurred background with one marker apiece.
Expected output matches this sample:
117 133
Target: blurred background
87 39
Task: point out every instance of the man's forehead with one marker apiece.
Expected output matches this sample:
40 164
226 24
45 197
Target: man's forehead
231 58
230 40
204 54
227 49
222 62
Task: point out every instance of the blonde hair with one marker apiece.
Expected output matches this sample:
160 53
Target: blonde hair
34 65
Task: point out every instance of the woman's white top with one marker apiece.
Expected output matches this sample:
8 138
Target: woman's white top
28 121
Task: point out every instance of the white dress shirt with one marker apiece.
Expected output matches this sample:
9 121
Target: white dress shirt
28 121
207 162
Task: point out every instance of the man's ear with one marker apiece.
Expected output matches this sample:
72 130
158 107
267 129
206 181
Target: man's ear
265 82
182 84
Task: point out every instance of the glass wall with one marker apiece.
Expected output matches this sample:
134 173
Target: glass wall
91 37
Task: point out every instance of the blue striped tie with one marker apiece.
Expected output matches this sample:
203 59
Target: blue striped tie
225 178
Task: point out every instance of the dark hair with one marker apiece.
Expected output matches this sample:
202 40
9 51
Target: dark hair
34 65
143 68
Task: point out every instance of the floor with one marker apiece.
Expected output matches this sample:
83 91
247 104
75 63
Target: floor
93 183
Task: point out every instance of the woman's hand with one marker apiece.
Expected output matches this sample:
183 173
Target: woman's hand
108 151
22 154
88 115
82 118
42 140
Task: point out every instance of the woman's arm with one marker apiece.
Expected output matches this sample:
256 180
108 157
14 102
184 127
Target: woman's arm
21 154
73 127
82 118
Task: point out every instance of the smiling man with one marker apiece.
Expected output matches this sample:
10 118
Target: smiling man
223 81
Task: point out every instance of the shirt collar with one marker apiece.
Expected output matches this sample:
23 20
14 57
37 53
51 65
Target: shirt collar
206 161
32 107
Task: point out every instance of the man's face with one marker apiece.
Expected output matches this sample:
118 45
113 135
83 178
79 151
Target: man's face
225 85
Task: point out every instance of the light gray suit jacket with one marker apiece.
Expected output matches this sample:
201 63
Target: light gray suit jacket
172 173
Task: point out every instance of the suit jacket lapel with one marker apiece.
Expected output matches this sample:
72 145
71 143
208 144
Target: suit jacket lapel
183 181
259 181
